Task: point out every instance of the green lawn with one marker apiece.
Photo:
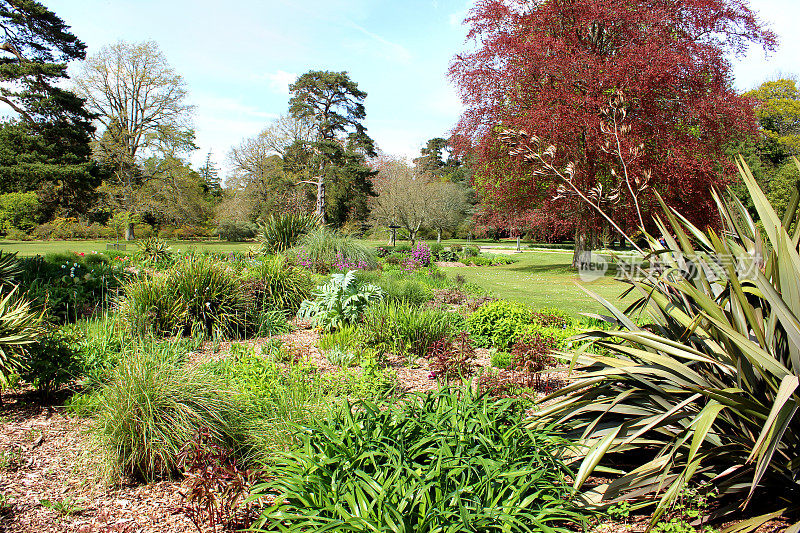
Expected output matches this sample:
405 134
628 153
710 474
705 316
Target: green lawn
540 278
544 279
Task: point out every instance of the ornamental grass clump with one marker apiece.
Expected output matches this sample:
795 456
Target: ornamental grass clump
323 248
153 405
708 393
198 295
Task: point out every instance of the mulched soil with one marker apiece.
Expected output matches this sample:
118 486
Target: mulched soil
47 455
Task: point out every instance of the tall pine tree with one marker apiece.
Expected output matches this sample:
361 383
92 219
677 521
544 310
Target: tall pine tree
46 147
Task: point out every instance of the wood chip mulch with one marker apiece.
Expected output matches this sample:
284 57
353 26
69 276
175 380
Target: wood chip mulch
46 455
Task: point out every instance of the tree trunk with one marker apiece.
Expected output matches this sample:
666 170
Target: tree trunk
129 233
321 200
439 236
582 252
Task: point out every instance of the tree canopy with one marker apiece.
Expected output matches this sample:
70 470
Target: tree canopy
554 68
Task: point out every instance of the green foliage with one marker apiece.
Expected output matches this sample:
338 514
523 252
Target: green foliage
405 289
274 283
708 391
502 360
404 329
281 232
154 251
276 397
782 186
20 329
498 322
341 357
153 405
339 302
19 210
10 270
344 338
65 507
403 248
237 231
436 249
370 384
272 322
323 248
100 346
195 295
421 466
53 361
457 248
472 251
70 286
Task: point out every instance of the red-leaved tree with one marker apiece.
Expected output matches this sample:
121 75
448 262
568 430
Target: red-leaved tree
552 67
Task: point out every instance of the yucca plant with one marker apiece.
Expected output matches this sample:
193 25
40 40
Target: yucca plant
707 394
20 327
153 251
445 462
279 233
10 269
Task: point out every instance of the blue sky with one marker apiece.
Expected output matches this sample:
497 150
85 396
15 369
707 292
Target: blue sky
238 57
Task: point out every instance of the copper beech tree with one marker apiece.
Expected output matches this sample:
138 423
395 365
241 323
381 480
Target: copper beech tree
624 97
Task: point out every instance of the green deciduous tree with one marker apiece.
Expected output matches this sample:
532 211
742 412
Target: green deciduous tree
140 101
778 113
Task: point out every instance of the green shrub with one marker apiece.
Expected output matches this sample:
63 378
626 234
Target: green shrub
52 361
19 210
404 329
405 290
344 338
436 249
100 346
502 360
339 302
151 306
323 248
274 283
278 394
236 231
445 461
341 357
279 233
71 286
198 295
154 405
456 248
498 323
403 248
272 322
472 251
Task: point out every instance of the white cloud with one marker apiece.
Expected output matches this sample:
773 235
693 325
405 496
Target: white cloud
279 81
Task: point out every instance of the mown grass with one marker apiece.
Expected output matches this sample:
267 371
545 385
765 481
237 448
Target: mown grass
543 279
540 278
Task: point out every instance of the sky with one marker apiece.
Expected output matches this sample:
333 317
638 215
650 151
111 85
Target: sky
239 56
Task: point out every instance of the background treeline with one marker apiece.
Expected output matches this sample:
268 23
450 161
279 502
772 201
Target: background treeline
107 154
